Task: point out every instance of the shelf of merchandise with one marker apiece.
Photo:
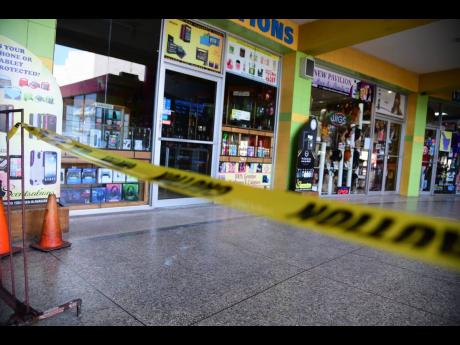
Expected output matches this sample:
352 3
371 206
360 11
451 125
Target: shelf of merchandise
243 159
248 131
67 158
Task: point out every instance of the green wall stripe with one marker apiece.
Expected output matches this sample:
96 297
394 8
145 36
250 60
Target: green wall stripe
415 166
285 116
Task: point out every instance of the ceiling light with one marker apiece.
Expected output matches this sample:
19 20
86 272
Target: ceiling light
436 113
390 91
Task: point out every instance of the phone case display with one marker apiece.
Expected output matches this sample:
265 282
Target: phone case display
251 62
131 191
113 192
118 176
88 175
104 175
98 195
73 176
75 196
100 125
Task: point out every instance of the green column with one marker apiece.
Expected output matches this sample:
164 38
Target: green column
413 144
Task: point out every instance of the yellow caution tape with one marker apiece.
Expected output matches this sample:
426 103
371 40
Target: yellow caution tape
416 236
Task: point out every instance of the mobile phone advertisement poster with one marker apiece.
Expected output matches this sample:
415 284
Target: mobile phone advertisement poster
193 44
26 83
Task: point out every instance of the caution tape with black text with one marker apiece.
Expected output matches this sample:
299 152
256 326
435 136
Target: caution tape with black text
416 236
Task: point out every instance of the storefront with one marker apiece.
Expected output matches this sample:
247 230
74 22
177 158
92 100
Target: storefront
221 121
358 146
177 93
440 173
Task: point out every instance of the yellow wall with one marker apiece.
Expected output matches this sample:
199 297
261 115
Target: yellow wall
371 66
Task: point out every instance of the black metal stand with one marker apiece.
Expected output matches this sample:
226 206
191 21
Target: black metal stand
23 313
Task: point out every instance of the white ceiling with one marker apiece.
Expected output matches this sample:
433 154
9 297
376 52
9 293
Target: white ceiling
424 49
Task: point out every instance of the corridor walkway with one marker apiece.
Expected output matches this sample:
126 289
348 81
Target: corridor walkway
210 265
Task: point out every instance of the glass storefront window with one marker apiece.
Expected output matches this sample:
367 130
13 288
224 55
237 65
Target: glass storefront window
189 105
106 70
344 128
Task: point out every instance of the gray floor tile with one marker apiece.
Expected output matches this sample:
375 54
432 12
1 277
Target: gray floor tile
309 299
432 295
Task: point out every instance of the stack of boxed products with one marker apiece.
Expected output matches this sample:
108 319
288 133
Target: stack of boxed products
97 185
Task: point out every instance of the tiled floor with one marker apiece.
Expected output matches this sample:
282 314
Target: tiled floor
210 265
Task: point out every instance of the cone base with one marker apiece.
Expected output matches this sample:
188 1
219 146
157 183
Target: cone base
14 250
64 244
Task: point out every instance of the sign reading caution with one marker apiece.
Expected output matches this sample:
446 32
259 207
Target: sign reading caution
416 236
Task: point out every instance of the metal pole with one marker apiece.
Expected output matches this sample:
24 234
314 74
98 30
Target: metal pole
23 210
8 211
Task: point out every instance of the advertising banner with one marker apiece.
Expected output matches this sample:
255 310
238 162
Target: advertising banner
251 62
26 83
332 81
390 103
446 139
193 44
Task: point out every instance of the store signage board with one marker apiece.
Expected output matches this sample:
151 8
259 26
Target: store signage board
251 62
337 119
390 103
282 31
26 83
193 44
332 81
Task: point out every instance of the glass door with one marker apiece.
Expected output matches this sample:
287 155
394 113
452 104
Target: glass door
187 125
429 160
385 156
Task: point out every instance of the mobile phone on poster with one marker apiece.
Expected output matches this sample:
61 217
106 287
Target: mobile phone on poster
50 165
15 167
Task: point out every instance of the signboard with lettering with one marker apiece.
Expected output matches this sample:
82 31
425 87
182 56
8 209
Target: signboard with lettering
337 119
332 81
26 83
282 31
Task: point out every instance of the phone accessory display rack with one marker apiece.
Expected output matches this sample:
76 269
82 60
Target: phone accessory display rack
23 312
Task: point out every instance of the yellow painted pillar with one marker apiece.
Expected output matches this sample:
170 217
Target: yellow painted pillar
294 112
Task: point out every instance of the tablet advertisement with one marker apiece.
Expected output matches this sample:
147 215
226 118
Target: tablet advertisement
251 62
26 83
193 44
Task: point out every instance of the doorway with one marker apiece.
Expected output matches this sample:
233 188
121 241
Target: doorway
385 156
187 127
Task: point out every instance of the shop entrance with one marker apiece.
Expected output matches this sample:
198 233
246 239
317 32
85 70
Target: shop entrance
187 126
385 156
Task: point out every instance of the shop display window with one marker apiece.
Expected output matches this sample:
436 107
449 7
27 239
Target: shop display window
248 132
106 70
344 132
440 170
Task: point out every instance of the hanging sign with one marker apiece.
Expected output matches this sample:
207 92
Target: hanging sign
251 62
390 103
332 81
193 44
446 139
26 83
337 119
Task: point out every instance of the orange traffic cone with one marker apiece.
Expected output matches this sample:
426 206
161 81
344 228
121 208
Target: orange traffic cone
5 248
51 238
